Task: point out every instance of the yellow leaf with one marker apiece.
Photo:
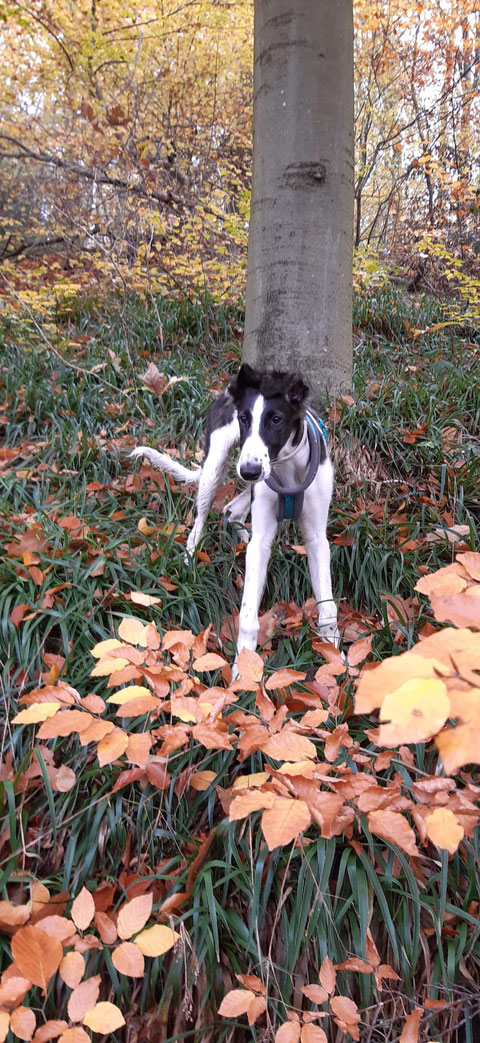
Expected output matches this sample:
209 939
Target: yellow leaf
444 829
104 647
134 691
83 910
36 713
134 915
414 712
157 940
250 781
284 821
104 1018
108 666
374 685
133 631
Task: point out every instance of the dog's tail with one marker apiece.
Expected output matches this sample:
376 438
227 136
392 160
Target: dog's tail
165 463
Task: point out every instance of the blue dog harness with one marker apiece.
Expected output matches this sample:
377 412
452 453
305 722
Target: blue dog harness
290 501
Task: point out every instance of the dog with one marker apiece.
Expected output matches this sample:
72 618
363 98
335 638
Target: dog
285 464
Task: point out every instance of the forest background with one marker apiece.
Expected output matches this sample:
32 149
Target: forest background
186 857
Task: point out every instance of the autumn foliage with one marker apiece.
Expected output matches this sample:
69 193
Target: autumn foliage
313 777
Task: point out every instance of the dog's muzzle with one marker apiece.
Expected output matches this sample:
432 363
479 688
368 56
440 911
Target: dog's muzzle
250 471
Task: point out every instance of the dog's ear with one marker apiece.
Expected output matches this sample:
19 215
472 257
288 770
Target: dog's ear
246 377
296 393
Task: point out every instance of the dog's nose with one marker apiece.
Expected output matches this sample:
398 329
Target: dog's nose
251 471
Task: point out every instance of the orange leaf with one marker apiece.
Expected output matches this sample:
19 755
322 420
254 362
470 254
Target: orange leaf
138 748
327 975
287 745
201 780
4 1024
75 1035
83 998
104 1018
392 826
284 821
315 993
36 955
128 959
83 910
23 1022
410 1029
415 712
354 963
65 722
444 829
13 915
313 1034
345 1009
236 1002
134 915
72 969
57 927
288 1033
250 666
49 1030
283 678
209 661
112 746
249 801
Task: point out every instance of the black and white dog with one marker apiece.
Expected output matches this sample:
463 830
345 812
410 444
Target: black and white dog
284 460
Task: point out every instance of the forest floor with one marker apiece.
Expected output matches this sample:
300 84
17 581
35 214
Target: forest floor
88 539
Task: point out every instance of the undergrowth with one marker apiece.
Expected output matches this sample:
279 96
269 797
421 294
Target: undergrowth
407 453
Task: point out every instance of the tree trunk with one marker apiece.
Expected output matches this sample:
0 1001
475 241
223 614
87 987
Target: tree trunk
299 281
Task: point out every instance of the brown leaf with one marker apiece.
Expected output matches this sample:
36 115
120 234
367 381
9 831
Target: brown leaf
209 661
283 678
138 748
315 993
112 747
75 1035
345 1009
248 801
4 1025
313 1034
36 955
288 1033
250 666
83 909
134 915
83 998
106 928
288 745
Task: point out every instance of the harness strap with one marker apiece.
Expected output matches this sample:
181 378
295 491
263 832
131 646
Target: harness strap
290 501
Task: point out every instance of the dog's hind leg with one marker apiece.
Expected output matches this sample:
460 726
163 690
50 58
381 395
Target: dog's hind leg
222 441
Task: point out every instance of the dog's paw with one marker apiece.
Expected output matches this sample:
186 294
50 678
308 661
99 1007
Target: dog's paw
141 450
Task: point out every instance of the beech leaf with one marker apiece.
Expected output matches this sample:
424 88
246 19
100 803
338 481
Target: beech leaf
284 821
49 1030
128 959
83 998
444 829
36 954
105 1017
83 910
72 969
23 1022
156 940
134 915
236 1002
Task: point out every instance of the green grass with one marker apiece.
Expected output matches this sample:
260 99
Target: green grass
274 915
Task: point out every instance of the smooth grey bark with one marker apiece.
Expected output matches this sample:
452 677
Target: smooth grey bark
299 279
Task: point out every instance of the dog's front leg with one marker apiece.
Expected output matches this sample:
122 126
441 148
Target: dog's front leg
264 525
214 468
313 523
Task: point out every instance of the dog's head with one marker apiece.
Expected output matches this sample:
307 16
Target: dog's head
270 409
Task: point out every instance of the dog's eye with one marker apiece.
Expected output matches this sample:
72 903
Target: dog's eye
243 419
275 419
